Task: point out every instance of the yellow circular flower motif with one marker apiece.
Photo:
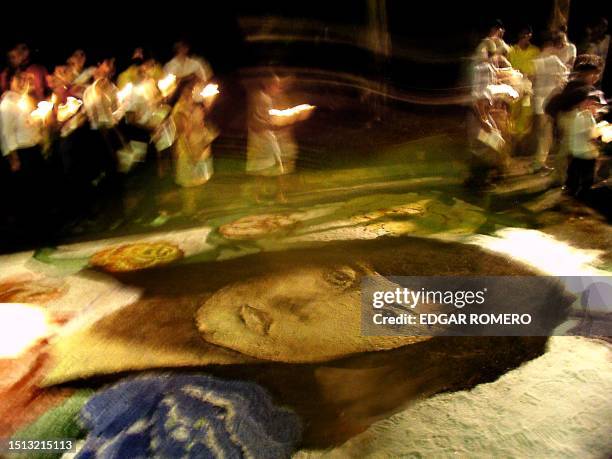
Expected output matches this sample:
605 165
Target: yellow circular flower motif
257 226
132 257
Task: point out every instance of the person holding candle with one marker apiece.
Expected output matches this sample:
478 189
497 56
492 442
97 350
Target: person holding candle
579 131
131 74
59 83
143 65
271 148
20 132
194 136
64 123
184 64
521 57
485 140
587 73
550 76
144 110
21 135
104 109
100 99
79 75
145 96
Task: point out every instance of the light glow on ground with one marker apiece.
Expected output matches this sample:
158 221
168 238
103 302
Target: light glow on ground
543 252
21 327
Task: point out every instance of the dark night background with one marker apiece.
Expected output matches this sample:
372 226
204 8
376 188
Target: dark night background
430 45
428 37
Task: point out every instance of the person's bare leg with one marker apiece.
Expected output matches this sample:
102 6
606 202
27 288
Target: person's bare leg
545 140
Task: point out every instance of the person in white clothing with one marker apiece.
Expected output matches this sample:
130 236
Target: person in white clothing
493 44
184 64
100 99
80 76
564 49
487 161
104 109
579 131
21 135
20 131
192 149
550 76
271 147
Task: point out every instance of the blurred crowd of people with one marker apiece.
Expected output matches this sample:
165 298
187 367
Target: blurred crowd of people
75 132
539 100
70 133
67 134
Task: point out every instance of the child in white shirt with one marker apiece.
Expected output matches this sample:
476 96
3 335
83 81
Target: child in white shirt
579 133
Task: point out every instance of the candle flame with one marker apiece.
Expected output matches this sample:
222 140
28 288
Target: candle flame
21 326
604 129
167 84
210 90
290 111
125 92
65 111
43 110
24 103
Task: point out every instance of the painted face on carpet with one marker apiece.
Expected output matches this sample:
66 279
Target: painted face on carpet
310 313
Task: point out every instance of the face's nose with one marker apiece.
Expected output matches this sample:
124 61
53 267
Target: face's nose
256 320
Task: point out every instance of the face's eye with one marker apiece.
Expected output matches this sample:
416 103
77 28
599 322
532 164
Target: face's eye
343 277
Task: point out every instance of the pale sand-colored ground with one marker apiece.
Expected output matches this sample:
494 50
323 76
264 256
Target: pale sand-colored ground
558 405
555 406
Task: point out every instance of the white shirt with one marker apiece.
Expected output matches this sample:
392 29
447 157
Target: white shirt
182 67
550 76
17 128
143 100
567 54
580 129
259 116
101 104
484 75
